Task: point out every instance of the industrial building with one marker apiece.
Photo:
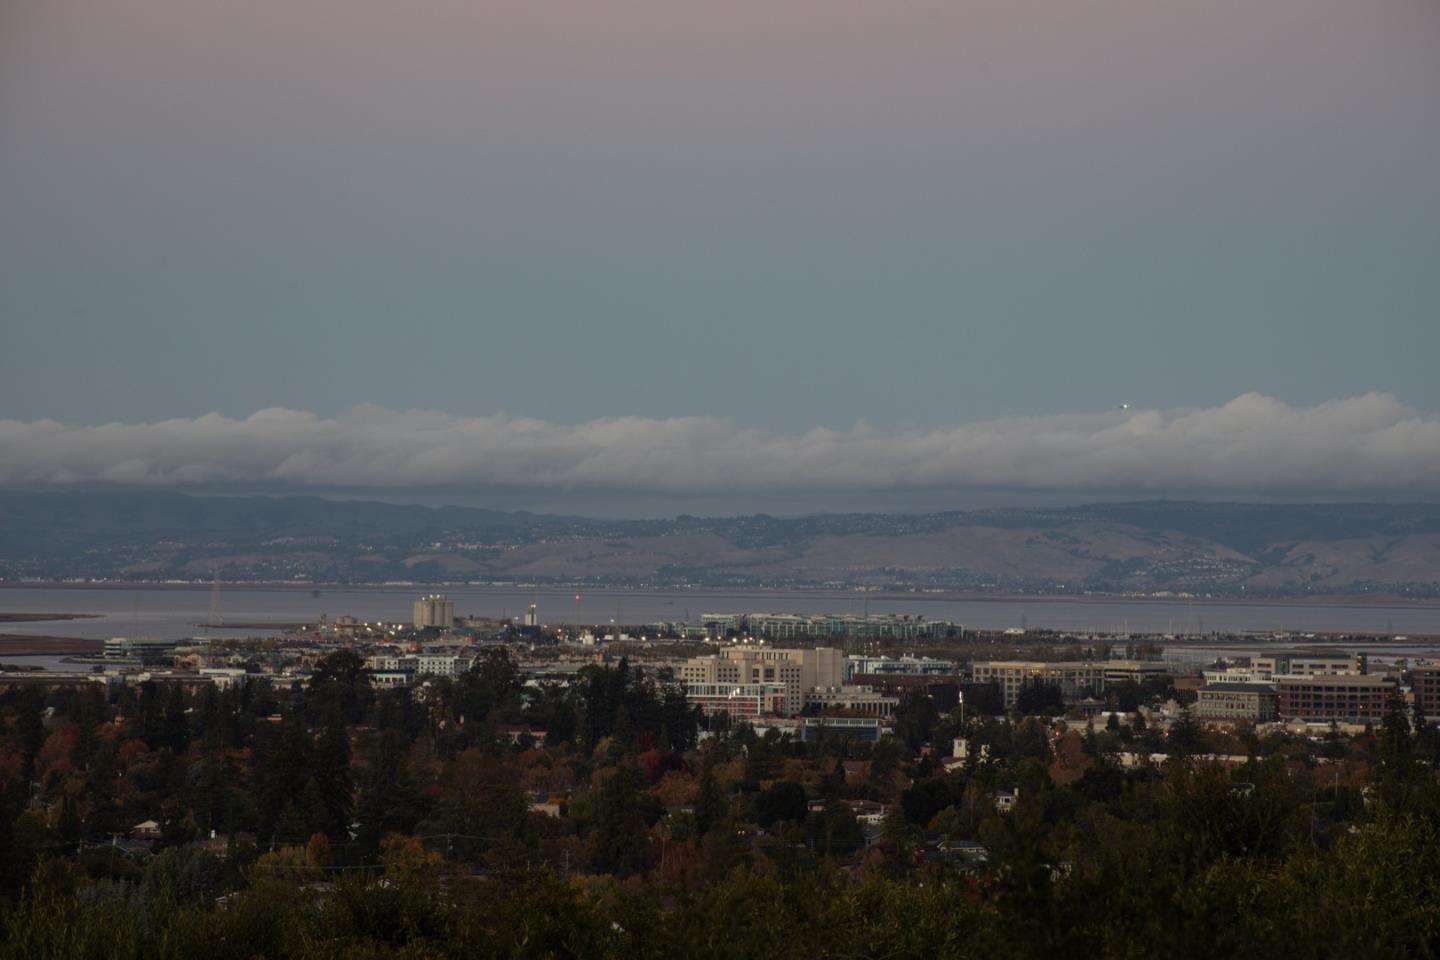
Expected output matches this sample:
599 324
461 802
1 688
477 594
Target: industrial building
434 612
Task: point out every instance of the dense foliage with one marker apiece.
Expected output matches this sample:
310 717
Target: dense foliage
336 821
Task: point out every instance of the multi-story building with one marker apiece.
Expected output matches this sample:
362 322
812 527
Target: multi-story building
944 692
1133 671
1074 678
422 665
852 699
789 626
1235 702
742 701
1307 665
385 679
798 670
141 647
1236 675
1352 699
1425 686
435 611
868 729
906 666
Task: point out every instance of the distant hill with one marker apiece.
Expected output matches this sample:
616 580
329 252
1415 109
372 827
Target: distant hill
1153 546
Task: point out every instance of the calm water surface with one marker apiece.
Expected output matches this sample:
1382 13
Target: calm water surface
184 611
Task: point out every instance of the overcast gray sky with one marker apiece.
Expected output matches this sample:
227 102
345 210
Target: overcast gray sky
780 215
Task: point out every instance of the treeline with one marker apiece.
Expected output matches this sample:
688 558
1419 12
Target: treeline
1375 893
481 816
257 768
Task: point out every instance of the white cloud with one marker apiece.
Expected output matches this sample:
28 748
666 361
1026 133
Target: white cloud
1361 446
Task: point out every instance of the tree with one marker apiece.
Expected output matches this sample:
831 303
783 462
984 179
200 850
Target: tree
783 800
834 830
711 806
1186 736
333 782
216 795
1039 697
620 838
925 799
68 825
915 720
1401 775
101 812
481 802
984 700
88 710
760 758
341 680
622 739
281 766
31 724
389 801
176 726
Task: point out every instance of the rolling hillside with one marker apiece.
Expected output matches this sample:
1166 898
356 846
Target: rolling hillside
1159 546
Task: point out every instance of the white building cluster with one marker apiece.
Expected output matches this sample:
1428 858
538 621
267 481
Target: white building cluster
753 681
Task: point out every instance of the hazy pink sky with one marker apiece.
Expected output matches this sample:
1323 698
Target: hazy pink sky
782 212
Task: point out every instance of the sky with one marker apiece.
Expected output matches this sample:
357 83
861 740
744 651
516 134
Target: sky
764 219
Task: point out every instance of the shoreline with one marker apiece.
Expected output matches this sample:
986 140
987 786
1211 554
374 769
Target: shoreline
1356 601
43 617
24 645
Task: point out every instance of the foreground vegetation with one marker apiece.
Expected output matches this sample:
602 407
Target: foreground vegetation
331 821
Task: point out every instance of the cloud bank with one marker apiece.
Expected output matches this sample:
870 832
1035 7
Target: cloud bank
1369 445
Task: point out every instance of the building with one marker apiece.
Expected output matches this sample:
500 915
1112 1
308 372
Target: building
1236 702
800 671
852 699
1425 686
742 701
421 665
1350 699
1236 675
435 612
902 666
1133 671
789 626
225 677
868 729
141 647
1075 678
944 692
532 617
1308 665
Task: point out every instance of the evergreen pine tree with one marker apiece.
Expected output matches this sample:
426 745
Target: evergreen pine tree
621 841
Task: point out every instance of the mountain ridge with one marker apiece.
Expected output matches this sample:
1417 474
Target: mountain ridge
1147 546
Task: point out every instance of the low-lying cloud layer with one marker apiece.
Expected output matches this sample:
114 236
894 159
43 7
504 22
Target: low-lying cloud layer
1370 445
